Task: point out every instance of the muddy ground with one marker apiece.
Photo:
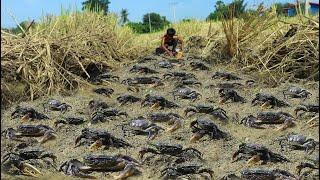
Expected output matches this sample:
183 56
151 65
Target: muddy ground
217 153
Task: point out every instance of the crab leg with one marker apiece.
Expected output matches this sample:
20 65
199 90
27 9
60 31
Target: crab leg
195 137
253 160
96 145
177 124
286 125
34 172
311 123
128 171
47 136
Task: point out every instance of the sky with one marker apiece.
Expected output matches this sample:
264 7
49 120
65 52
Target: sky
13 11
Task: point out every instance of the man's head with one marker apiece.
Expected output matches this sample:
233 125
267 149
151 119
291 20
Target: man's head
171 32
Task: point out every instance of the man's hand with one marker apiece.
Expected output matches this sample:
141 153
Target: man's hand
170 53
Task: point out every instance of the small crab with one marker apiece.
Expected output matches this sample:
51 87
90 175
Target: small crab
226 94
266 100
181 170
69 120
104 91
18 160
55 105
157 101
215 112
313 163
27 113
179 76
198 66
172 150
255 153
30 131
296 92
101 163
297 142
165 64
185 93
249 121
172 118
125 99
233 85
255 174
97 138
201 127
105 77
137 81
105 114
314 108
276 118
142 69
225 75
97 105
188 82
141 126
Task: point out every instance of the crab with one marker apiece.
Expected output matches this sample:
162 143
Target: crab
172 118
201 127
249 121
255 174
188 82
97 105
313 163
97 138
298 142
105 77
224 75
181 170
314 108
165 64
55 105
218 113
30 131
101 163
175 150
27 113
18 160
267 100
296 92
105 114
255 153
125 99
276 118
226 94
198 66
185 93
137 81
157 101
142 69
179 76
233 85
141 126
104 91
69 120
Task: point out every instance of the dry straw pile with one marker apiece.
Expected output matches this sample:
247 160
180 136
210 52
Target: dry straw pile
59 53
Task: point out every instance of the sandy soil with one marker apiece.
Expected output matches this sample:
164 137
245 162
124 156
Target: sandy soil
217 153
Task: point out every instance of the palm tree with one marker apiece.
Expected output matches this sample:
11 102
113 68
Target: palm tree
124 16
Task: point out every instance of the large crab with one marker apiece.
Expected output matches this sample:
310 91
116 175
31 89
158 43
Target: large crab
141 126
269 118
172 118
201 127
97 138
104 91
296 92
17 159
218 113
268 100
185 93
142 69
30 131
179 76
157 101
125 99
262 174
171 150
230 94
297 142
27 113
101 163
188 169
56 105
105 114
198 66
255 153
225 75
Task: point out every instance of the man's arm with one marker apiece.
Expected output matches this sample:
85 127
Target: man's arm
164 47
181 41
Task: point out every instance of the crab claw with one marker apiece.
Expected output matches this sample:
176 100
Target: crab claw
128 171
26 118
96 145
253 160
177 124
155 106
265 105
47 136
286 125
195 137
222 101
29 170
311 122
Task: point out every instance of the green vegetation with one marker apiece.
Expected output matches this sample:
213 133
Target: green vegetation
124 16
157 23
96 6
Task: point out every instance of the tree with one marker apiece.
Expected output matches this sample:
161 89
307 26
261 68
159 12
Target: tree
157 22
124 16
138 27
235 9
238 8
96 5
